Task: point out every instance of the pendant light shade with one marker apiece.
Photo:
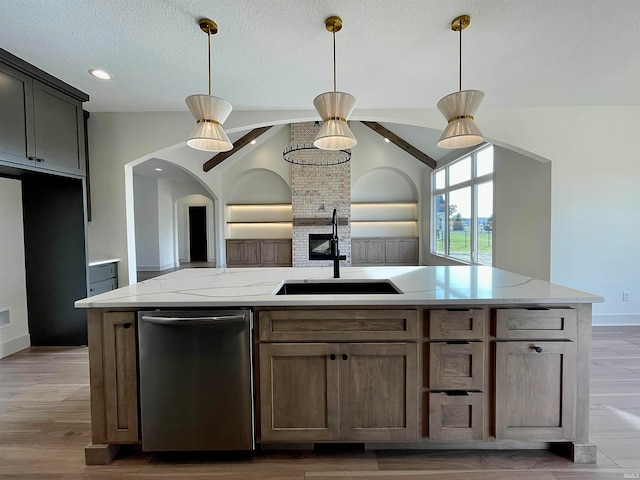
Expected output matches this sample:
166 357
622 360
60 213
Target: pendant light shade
459 108
210 112
334 107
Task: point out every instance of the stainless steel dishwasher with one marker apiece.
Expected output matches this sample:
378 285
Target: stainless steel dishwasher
196 385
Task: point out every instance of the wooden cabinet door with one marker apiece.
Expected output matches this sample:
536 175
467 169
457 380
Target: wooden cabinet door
59 130
378 391
16 116
375 251
243 253
113 372
358 250
409 251
275 253
535 390
299 392
392 251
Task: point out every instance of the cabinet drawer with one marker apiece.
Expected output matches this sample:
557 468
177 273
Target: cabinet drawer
99 273
536 323
337 325
456 366
104 286
456 416
466 324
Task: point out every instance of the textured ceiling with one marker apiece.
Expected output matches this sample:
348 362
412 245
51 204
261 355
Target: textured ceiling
277 54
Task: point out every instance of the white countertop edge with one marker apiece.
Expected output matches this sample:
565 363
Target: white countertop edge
253 287
95 263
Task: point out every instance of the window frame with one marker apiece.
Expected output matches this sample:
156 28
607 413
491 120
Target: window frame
473 182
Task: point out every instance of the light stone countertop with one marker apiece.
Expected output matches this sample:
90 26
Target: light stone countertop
254 287
95 263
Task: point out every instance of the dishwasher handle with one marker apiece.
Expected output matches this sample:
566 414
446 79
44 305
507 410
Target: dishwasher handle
213 320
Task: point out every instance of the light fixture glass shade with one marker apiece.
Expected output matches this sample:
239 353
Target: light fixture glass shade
210 112
459 109
334 109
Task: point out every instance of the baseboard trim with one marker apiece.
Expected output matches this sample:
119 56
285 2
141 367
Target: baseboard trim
619 320
14 345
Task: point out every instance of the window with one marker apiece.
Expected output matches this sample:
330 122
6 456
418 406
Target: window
462 209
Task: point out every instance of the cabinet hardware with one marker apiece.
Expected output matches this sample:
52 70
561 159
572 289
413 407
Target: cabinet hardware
126 325
39 159
31 158
537 349
345 356
332 356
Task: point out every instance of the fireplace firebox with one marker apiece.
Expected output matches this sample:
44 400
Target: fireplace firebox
319 246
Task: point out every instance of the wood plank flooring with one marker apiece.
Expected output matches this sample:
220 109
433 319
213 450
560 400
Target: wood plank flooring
45 425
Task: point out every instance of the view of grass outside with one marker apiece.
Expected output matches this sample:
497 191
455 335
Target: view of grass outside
462 204
460 248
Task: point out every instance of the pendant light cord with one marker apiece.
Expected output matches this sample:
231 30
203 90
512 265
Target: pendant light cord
209 52
460 57
334 55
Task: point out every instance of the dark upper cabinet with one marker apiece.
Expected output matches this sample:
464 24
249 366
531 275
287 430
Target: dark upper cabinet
16 116
59 130
41 126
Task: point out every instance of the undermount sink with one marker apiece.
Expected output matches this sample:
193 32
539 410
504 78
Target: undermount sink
370 287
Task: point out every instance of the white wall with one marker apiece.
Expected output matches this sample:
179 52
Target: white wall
166 226
146 213
14 326
522 227
595 173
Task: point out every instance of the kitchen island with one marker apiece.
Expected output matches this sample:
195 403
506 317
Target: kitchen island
455 357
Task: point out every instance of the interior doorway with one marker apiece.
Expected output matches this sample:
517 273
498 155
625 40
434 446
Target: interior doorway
198 234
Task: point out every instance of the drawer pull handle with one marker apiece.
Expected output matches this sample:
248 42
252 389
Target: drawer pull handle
345 356
538 349
332 356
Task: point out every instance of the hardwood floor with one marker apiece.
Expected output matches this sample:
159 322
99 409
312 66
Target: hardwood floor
44 427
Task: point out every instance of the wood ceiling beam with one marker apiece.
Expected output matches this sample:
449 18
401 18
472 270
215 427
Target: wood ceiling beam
403 144
239 144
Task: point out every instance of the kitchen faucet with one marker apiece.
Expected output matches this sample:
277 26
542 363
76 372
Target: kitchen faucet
335 250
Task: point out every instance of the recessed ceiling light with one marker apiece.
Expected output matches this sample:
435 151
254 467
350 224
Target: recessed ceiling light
101 74
158 169
386 140
253 142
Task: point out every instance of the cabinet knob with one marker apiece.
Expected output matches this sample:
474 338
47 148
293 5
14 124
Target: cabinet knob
345 356
39 159
126 325
31 158
538 349
332 356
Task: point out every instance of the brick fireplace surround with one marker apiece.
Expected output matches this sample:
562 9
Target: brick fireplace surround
315 192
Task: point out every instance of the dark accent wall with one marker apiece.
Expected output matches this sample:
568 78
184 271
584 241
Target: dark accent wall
55 256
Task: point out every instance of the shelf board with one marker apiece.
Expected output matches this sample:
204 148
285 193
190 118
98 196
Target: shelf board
283 222
259 205
404 204
384 221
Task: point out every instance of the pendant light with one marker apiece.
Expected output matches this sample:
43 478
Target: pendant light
459 108
334 107
210 112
